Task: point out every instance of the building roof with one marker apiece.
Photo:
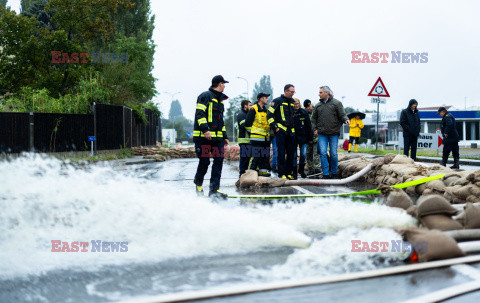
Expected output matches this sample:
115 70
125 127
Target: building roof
435 108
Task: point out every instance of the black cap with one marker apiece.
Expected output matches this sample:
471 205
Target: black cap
218 79
306 103
262 95
441 109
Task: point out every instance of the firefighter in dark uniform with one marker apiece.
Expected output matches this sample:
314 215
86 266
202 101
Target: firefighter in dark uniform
243 137
450 138
280 117
303 135
210 136
257 124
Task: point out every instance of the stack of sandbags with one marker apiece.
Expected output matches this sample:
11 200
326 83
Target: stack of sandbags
395 197
232 152
432 244
462 187
435 212
157 158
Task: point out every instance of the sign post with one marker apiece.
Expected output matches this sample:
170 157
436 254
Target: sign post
378 90
91 139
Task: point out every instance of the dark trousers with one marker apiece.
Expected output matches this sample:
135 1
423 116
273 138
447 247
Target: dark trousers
260 155
244 157
450 147
204 150
286 145
410 143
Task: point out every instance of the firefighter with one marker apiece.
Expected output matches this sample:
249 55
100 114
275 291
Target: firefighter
280 117
257 124
243 137
210 136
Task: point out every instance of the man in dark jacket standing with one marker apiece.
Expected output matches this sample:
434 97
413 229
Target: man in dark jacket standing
450 138
210 136
410 122
243 137
280 118
303 135
327 118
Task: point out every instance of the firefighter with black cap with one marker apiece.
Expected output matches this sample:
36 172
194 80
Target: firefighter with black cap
280 117
243 137
450 138
257 124
210 136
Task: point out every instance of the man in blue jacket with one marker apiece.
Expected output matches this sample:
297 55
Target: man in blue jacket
450 138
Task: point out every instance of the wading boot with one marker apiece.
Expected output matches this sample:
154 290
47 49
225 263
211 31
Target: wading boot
217 194
301 171
199 190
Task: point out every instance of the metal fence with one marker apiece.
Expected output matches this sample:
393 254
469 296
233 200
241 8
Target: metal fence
113 126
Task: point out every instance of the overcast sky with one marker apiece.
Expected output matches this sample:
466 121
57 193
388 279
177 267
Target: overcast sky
309 44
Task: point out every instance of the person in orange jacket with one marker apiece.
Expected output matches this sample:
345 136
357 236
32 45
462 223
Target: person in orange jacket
356 126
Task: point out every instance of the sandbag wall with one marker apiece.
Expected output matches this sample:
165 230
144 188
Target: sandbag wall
161 154
456 186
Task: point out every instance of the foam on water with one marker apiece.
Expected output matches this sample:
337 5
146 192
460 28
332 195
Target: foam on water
333 255
43 199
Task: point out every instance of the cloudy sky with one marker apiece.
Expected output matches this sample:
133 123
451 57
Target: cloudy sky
309 42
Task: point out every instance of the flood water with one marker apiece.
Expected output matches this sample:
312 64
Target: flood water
175 240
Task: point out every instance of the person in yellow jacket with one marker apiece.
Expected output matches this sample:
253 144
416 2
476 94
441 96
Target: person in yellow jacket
257 125
356 126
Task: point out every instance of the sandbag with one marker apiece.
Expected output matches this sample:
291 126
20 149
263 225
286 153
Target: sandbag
395 197
270 182
249 178
412 210
434 205
440 222
473 199
437 185
378 162
474 177
389 157
462 181
464 191
402 159
439 245
472 216
450 180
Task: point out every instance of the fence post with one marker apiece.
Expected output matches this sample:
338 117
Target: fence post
123 125
95 127
31 134
131 127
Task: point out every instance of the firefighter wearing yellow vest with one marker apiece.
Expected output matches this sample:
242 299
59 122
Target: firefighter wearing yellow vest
356 126
257 124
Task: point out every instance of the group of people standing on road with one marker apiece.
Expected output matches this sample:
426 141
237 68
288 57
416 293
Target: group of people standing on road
314 130
410 123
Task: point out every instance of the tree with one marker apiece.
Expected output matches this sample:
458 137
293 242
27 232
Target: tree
175 110
25 5
264 86
231 115
3 3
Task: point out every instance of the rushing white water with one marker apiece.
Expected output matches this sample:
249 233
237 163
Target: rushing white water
43 199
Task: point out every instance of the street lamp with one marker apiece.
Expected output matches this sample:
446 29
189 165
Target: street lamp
247 86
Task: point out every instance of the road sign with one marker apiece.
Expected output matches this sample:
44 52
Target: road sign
426 140
189 134
91 138
379 100
379 89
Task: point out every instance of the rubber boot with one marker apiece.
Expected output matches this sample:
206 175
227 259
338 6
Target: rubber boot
356 147
349 147
301 170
